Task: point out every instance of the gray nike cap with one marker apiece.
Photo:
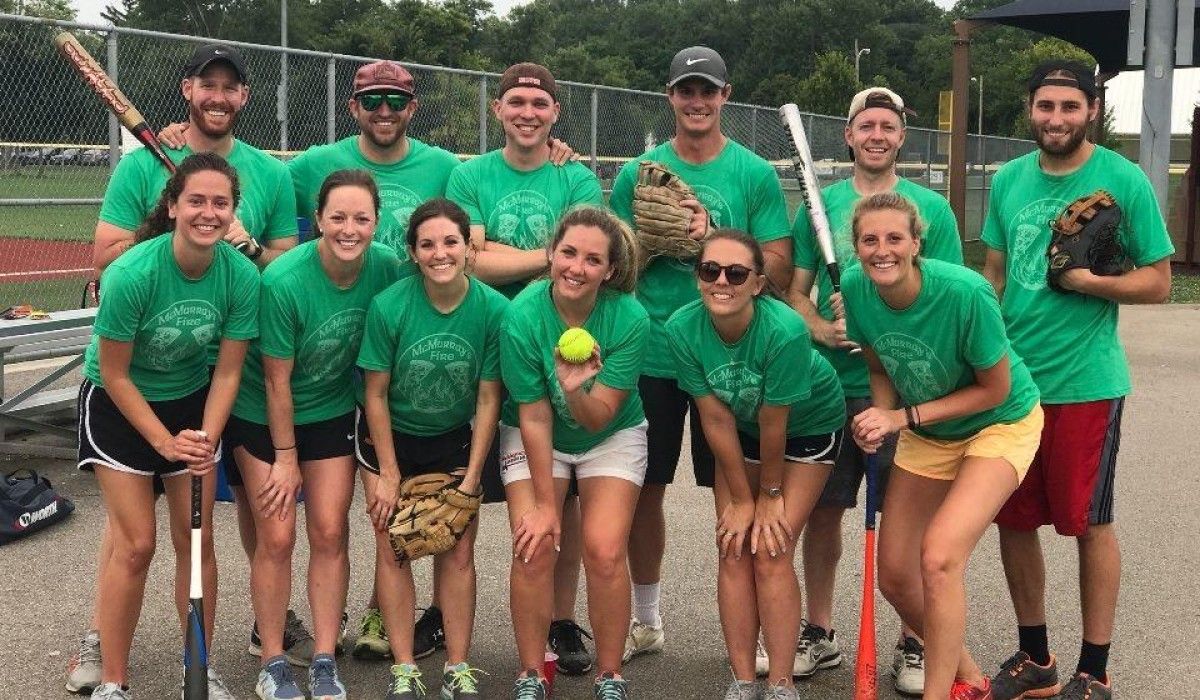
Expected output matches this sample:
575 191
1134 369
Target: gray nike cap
698 62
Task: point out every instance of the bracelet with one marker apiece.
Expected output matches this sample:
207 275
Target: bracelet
908 414
285 449
917 411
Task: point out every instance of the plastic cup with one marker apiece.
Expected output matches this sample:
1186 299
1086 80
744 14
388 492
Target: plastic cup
549 669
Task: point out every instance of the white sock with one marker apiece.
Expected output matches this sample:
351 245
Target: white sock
645 604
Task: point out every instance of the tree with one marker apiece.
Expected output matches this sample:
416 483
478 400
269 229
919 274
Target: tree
829 88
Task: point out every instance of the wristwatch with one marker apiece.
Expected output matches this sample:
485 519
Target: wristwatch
250 248
772 491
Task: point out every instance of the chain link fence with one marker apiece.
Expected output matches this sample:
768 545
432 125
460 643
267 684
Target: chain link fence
58 144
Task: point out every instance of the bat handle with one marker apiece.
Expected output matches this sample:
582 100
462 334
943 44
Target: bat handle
872 478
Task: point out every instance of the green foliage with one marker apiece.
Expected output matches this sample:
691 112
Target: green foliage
55 9
827 90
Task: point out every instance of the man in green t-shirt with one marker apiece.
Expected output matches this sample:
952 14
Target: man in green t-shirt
734 189
875 131
1070 343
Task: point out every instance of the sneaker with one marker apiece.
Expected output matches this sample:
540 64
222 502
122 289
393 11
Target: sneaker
406 683
566 640
339 647
962 690
816 650
609 687
642 639
323 681
908 667
217 689
372 642
530 686
428 634
111 691
83 670
780 692
742 690
276 682
762 663
298 644
459 681
1020 677
1085 687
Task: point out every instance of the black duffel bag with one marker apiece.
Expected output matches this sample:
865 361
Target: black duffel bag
29 503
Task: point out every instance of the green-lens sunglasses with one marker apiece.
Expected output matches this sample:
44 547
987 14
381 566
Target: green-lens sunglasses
396 101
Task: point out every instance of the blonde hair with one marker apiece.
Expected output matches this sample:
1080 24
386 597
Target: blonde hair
623 249
888 201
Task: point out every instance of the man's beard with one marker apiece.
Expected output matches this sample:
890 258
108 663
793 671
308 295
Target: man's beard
386 141
200 121
1074 141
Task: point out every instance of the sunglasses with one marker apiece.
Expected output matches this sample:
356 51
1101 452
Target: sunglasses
736 275
395 100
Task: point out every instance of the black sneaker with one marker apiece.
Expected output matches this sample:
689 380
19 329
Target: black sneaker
428 633
1020 677
1085 687
566 640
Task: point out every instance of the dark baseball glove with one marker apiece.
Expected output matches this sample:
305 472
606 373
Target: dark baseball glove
662 223
431 515
1085 234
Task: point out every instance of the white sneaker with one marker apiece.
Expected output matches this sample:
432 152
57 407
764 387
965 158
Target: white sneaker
83 670
642 639
908 667
111 691
762 664
780 692
816 650
742 690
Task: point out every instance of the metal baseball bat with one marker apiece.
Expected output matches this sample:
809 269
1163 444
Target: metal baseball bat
865 663
195 651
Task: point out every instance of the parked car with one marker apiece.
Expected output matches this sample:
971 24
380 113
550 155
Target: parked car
66 157
34 156
94 156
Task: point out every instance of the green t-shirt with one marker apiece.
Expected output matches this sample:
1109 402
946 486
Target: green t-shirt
765 366
520 208
303 316
1069 340
267 209
739 189
530 333
939 242
403 186
933 347
436 360
171 319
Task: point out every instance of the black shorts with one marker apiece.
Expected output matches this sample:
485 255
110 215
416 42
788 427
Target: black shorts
666 406
802 449
842 487
416 454
326 439
106 436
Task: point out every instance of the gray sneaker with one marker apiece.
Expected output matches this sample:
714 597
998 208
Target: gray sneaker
780 692
111 691
217 689
908 667
742 690
609 687
406 683
298 642
458 681
323 681
276 682
1085 687
530 687
83 670
816 650
1020 677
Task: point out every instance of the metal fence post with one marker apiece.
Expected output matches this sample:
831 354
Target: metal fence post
595 124
331 100
114 127
483 105
754 130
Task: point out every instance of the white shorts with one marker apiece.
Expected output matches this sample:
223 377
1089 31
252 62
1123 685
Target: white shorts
622 455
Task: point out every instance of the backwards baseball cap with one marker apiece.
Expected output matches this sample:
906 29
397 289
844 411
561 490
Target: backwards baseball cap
1066 74
698 62
208 53
878 97
527 75
384 75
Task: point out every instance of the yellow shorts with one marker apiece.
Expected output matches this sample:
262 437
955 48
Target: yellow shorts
940 459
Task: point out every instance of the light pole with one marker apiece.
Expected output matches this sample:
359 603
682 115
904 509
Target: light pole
858 54
983 191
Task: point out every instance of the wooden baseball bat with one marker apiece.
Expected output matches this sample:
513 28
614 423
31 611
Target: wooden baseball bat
107 90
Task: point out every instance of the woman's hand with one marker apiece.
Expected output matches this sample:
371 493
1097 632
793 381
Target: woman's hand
771 527
381 500
190 447
733 527
279 492
535 525
572 376
874 424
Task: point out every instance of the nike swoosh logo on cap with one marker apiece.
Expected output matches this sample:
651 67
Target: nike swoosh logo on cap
690 61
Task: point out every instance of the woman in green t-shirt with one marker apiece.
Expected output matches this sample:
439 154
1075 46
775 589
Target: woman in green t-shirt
772 410
147 406
945 378
431 355
583 420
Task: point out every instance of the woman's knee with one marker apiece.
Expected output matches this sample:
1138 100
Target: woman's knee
328 537
135 553
276 542
897 580
458 560
608 559
540 566
940 563
768 567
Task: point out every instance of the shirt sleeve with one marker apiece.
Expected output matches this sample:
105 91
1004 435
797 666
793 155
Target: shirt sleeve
804 249
985 342
242 322
490 369
587 189
125 298
277 320
621 199
788 378
282 220
624 356
1147 240
462 190
378 344
993 226
124 205
301 175
941 236
768 209
520 364
689 372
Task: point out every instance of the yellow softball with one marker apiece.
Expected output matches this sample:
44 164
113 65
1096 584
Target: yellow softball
576 345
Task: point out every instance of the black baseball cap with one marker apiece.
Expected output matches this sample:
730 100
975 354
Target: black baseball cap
698 62
206 54
1066 74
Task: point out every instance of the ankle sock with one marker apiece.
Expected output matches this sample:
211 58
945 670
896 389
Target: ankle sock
1033 640
645 604
1093 660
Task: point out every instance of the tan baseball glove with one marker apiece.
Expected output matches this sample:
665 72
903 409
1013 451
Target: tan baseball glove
662 223
431 515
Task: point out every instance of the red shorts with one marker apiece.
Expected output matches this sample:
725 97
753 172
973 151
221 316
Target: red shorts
1070 483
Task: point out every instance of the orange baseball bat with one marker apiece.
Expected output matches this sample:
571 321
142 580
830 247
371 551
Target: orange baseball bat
865 665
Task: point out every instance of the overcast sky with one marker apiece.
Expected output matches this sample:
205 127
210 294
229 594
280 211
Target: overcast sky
89 10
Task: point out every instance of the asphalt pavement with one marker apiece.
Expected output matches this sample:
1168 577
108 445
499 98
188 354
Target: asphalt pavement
46 581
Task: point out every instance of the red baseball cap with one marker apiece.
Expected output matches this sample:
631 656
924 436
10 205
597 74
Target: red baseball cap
384 75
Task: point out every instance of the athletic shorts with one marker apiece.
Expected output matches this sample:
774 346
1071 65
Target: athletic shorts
1071 481
416 454
106 437
622 455
931 458
666 406
324 439
841 489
